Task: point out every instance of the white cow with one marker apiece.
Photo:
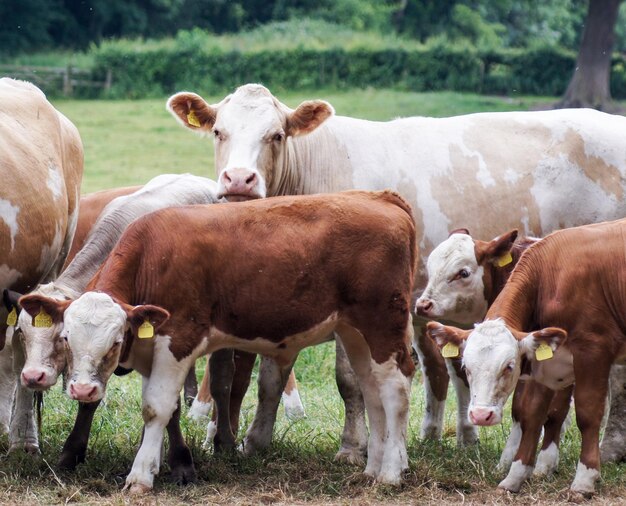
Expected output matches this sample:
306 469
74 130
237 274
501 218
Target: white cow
535 171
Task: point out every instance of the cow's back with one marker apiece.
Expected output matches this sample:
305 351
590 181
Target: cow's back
41 159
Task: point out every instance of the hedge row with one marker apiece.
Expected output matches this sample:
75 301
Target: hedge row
144 73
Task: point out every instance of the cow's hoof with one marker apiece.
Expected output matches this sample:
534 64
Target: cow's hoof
68 461
352 456
29 448
184 474
389 479
137 489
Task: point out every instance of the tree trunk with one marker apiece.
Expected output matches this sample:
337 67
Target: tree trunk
589 86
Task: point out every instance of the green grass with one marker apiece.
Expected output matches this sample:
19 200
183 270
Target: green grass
128 143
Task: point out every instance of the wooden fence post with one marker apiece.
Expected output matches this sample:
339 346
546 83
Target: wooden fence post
67 81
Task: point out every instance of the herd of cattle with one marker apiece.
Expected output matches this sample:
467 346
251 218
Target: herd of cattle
150 278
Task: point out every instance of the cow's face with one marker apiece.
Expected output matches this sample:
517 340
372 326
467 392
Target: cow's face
94 329
457 277
44 348
250 130
492 357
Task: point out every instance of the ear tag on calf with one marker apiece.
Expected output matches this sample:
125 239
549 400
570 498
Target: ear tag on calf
193 120
146 330
505 259
543 352
450 351
43 319
12 318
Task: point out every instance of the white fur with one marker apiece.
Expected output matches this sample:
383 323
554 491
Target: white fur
211 430
8 276
466 432
585 480
518 474
55 182
510 448
547 460
432 423
7 381
293 405
451 297
8 214
199 410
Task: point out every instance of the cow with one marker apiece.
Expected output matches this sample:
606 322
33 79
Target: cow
559 320
41 158
44 354
488 171
269 276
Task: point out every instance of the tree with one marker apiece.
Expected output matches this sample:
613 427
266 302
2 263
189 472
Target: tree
589 86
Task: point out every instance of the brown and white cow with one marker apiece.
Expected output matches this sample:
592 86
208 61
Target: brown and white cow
41 159
560 320
44 356
488 171
271 277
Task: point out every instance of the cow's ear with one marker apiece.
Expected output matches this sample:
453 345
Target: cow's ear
444 334
498 250
308 116
533 345
155 315
33 304
192 111
460 231
10 299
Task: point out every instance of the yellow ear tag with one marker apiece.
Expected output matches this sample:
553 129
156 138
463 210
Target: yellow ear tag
146 330
505 259
43 319
193 120
450 351
543 352
12 318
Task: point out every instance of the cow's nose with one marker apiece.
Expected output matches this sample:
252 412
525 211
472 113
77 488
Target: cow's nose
33 377
83 391
239 182
482 416
423 307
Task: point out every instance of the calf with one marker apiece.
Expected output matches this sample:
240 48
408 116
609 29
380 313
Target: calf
464 277
560 320
44 357
269 276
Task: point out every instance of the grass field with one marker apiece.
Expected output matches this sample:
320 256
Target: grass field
129 142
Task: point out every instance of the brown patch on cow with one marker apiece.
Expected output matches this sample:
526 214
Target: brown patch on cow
605 175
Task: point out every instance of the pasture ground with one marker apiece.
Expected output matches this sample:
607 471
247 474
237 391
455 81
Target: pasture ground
129 142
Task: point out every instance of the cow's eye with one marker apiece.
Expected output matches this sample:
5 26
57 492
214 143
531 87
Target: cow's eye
278 137
509 368
464 273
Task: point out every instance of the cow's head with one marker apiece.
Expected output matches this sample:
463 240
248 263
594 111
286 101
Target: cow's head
492 356
94 329
250 130
457 280
44 348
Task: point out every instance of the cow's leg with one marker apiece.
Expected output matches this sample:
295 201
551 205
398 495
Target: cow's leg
272 381
536 403
179 456
75 447
23 428
244 363
589 399
291 399
201 405
354 438
515 436
435 376
7 383
161 395
191 386
613 446
222 370
466 432
548 458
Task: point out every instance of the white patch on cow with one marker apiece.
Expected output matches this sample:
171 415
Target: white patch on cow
510 448
7 381
511 176
93 323
547 460
453 297
50 253
211 430
518 474
8 214
585 479
199 411
432 423
8 276
525 221
55 181
294 410
466 432
489 350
